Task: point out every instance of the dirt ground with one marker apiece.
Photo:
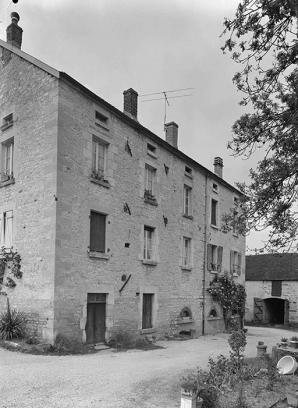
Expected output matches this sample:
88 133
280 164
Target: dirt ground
132 379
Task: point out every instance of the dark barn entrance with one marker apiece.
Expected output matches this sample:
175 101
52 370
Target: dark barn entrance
271 311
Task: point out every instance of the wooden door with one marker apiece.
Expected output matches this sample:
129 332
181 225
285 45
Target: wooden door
258 310
96 318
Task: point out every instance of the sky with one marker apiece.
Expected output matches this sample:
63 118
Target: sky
151 46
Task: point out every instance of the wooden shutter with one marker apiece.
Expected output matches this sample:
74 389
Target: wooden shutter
147 311
7 220
97 232
232 262
209 257
276 288
219 258
1 231
258 310
239 263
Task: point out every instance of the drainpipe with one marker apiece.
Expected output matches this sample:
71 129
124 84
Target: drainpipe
205 255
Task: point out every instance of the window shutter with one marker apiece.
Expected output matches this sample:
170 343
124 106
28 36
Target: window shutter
232 261
239 263
276 288
1 231
8 229
97 232
209 257
219 258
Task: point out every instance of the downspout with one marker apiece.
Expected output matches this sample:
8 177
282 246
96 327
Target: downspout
205 254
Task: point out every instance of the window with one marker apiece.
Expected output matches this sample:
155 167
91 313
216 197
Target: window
235 258
148 243
7 155
101 120
7 122
150 180
276 288
186 257
187 210
6 223
98 159
97 232
235 219
188 171
147 321
214 212
215 187
214 258
151 149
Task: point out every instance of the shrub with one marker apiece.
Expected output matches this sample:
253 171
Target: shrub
65 345
237 342
12 324
122 340
210 396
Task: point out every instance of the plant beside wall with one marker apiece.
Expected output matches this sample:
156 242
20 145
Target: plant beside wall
12 261
12 324
294 341
230 295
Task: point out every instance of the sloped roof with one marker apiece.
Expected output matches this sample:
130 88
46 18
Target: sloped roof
269 267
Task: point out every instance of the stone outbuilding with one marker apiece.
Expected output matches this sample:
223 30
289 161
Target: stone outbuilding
271 282
117 228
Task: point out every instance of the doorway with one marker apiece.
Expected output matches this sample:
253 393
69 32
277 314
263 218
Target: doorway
96 318
271 311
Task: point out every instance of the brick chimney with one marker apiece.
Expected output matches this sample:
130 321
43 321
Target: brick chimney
218 166
172 133
131 103
14 32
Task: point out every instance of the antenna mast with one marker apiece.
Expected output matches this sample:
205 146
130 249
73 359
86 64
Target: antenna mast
166 98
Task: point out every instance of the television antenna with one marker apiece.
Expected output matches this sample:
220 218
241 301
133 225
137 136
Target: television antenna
166 98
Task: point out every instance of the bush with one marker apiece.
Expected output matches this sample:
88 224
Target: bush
12 324
122 341
65 345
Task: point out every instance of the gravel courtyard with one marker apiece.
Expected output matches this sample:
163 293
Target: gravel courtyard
133 379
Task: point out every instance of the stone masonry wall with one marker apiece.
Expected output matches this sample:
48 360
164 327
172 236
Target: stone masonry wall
262 289
79 274
31 95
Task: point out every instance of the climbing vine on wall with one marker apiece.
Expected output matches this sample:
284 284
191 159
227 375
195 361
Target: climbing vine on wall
12 261
230 295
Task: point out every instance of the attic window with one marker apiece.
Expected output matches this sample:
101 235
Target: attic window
236 201
215 187
188 171
151 149
101 120
7 122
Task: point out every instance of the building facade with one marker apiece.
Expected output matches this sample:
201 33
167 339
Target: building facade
116 228
272 287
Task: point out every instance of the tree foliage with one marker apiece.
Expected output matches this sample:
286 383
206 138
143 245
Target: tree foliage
262 38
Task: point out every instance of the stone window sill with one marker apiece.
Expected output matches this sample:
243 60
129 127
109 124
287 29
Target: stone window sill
105 184
7 182
190 217
152 154
148 262
210 318
186 268
185 321
214 226
152 202
235 235
188 175
98 255
6 126
148 331
215 272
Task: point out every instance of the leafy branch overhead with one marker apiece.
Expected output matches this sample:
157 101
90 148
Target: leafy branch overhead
262 39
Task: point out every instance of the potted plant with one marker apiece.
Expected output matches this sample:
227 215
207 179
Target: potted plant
148 195
191 386
284 342
294 341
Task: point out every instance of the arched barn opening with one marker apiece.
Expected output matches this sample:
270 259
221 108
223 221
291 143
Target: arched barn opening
271 311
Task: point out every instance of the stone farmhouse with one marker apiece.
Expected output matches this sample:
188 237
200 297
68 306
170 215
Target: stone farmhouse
272 287
117 229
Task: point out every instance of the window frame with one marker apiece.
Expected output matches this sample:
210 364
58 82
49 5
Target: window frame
187 200
147 311
4 226
235 262
186 252
214 213
99 171
147 190
276 288
148 243
94 247
214 258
